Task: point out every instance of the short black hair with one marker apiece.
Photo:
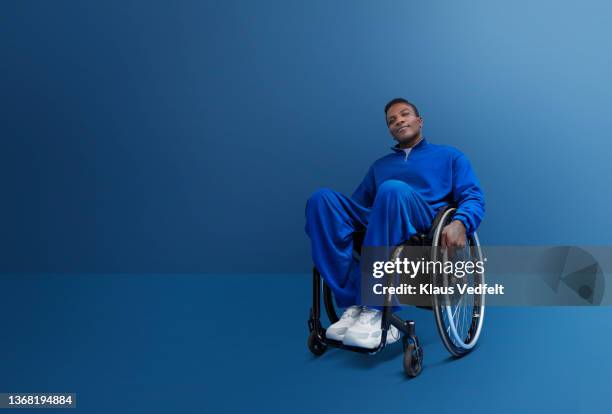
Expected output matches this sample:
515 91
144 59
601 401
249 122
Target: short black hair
401 100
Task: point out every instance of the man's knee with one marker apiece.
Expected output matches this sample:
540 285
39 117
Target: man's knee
394 188
323 196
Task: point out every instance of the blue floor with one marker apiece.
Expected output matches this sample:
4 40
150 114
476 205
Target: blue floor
237 343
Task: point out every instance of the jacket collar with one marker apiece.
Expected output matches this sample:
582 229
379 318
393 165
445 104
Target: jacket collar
421 143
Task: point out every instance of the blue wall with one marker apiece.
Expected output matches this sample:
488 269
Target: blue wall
186 136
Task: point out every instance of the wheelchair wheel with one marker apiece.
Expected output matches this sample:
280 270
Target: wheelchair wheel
459 317
413 358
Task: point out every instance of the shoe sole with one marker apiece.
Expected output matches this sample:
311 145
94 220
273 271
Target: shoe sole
369 345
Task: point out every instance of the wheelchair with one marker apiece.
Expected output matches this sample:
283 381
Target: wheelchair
459 321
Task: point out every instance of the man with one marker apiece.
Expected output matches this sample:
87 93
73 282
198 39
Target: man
398 198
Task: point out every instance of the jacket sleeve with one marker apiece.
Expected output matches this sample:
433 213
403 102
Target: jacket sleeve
365 193
467 194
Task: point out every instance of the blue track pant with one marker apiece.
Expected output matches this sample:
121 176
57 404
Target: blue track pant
397 214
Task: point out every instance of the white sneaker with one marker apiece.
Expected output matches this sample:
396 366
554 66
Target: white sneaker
367 331
337 330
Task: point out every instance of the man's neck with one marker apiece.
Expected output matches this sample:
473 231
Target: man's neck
410 143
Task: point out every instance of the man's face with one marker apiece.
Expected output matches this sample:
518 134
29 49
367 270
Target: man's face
403 123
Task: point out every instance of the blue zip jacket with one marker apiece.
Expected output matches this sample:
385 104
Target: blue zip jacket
439 173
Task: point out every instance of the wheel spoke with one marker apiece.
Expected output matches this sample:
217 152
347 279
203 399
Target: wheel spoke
459 325
457 307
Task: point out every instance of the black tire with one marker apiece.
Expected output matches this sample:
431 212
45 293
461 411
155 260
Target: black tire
413 360
315 346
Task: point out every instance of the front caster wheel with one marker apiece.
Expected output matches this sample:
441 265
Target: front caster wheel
413 359
315 346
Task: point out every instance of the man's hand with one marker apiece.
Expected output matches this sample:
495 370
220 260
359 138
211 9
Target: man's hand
453 235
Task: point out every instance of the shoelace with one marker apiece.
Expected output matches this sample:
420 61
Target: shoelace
367 315
348 314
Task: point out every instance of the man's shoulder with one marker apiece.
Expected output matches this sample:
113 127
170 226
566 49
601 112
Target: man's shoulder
448 150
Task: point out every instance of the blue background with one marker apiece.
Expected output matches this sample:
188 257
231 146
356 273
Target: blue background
185 137
149 136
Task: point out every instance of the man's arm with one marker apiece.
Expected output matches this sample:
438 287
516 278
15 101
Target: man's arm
365 193
470 203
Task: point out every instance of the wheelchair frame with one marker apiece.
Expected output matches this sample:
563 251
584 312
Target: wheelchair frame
413 350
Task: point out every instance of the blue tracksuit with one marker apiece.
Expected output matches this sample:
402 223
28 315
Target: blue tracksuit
398 197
